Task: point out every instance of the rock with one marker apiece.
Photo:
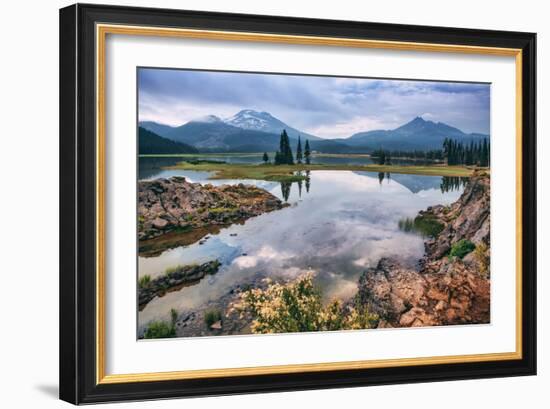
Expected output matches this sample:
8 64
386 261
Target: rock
166 205
159 223
468 218
404 298
216 325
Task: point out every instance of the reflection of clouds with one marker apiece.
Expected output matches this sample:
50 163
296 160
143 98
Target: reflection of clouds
363 183
267 252
246 262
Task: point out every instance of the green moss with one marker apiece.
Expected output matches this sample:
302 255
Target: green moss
461 248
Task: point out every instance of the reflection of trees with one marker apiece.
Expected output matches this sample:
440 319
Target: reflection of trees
382 176
286 186
451 183
285 189
299 173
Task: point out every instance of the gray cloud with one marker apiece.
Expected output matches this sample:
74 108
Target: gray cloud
325 106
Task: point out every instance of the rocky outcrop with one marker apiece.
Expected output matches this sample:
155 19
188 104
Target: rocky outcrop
466 219
176 205
406 298
174 280
443 290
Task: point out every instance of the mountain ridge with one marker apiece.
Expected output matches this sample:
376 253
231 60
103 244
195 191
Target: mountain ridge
257 132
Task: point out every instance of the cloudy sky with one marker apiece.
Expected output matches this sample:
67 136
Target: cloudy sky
328 107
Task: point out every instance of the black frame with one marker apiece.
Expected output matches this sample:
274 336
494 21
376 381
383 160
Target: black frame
77 204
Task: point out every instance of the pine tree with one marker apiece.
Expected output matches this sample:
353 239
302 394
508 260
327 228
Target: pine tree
286 151
265 157
284 155
299 151
307 152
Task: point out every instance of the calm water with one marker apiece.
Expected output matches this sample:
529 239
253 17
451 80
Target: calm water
338 224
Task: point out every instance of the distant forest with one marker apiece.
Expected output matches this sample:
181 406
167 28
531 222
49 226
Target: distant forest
453 152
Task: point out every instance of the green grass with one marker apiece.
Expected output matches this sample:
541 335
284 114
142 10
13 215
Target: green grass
160 329
144 281
287 173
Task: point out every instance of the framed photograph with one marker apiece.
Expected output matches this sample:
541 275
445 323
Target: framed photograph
257 203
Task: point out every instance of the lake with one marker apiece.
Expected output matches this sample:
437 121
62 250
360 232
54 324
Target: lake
338 224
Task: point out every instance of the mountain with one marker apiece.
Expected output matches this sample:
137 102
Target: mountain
252 131
151 143
416 134
210 134
217 136
265 122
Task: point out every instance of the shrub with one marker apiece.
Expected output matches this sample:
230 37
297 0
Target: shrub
144 281
461 248
297 307
211 317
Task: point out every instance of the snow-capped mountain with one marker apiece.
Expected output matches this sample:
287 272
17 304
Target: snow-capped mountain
264 122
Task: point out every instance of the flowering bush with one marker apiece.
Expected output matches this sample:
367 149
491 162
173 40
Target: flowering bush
297 307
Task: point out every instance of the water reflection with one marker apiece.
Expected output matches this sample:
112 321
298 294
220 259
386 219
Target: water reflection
344 223
285 190
451 183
